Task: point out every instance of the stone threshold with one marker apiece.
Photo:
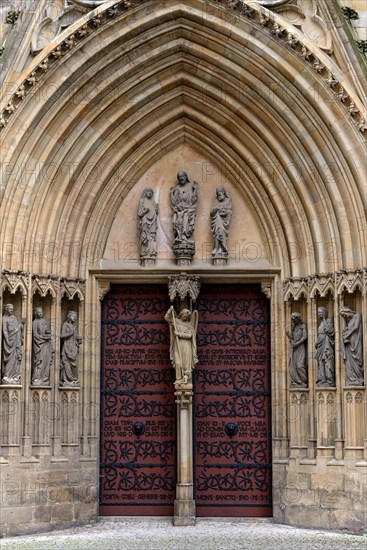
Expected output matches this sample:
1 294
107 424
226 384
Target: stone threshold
169 519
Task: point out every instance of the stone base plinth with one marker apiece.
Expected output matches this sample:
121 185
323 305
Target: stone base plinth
181 522
184 506
220 259
222 262
147 262
184 252
184 512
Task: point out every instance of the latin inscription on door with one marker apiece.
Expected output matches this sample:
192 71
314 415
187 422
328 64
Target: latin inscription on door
232 409
138 422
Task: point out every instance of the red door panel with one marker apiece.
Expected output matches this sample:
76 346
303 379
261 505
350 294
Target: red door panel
138 427
232 403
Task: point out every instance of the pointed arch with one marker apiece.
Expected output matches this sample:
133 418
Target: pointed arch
156 75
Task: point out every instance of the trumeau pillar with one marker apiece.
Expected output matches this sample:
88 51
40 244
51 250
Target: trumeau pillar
184 509
184 290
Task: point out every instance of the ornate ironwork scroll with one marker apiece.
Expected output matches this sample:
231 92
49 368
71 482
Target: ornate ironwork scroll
232 418
138 404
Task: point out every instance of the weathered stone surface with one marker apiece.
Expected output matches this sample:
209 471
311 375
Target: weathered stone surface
42 514
115 105
62 514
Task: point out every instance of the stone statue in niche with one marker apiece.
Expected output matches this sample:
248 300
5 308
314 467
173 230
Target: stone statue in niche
69 375
221 214
325 375
183 200
148 225
352 347
42 350
298 367
183 350
12 348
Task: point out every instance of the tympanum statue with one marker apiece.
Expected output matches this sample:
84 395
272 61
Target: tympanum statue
148 225
183 200
221 214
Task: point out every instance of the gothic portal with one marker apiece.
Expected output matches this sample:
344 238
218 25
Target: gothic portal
183 262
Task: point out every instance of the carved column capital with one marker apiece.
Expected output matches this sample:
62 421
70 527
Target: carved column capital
184 396
266 289
183 285
103 288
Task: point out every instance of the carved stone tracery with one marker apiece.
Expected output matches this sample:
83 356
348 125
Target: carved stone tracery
72 288
15 281
258 15
183 285
44 285
321 284
104 287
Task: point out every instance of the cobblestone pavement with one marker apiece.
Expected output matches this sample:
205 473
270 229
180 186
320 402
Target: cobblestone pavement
206 535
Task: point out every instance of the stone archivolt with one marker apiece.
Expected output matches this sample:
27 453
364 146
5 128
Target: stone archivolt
233 94
94 111
282 30
265 178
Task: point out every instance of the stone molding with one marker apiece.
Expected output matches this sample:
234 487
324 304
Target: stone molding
103 287
259 16
15 281
29 283
345 280
266 289
183 285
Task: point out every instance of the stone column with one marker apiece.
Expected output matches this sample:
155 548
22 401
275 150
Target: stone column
184 290
312 329
56 437
184 508
2 400
364 321
25 377
339 439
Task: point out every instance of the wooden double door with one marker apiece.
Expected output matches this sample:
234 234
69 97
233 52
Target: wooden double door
231 405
